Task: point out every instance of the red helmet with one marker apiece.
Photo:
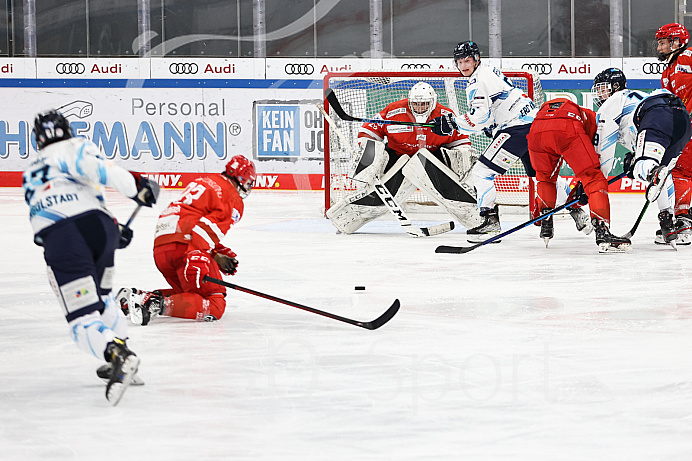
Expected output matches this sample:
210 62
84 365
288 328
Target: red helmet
672 31
242 171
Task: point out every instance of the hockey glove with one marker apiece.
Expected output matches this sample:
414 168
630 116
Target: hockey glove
125 236
197 264
444 125
147 190
628 165
577 193
225 258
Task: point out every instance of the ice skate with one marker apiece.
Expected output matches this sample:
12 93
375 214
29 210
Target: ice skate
582 220
607 242
547 229
125 365
141 306
656 178
668 234
489 228
105 372
683 226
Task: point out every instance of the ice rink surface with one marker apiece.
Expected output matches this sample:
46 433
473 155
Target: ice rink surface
510 352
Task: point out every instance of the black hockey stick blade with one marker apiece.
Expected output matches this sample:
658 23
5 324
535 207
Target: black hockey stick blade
455 249
336 105
372 325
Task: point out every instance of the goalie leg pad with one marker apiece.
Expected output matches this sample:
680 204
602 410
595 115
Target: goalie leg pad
444 186
353 212
371 161
349 217
461 160
484 182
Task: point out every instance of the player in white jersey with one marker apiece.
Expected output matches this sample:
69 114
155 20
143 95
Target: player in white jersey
504 113
64 190
654 127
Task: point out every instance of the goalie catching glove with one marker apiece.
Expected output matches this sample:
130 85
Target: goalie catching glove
147 190
225 258
197 264
444 125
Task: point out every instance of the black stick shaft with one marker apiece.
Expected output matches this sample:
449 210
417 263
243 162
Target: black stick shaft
336 105
372 325
455 249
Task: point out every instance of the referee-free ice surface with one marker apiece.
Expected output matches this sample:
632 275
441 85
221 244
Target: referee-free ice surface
512 351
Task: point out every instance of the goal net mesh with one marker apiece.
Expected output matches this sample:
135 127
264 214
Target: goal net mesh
365 94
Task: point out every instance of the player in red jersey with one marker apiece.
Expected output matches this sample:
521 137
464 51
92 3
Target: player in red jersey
562 130
187 246
409 157
671 46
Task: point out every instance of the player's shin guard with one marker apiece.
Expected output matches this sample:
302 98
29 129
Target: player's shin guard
443 186
113 317
356 210
90 334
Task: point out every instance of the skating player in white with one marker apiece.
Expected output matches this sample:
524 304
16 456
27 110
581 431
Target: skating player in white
504 113
654 127
79 236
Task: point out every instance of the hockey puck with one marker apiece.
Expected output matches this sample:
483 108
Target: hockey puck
360 288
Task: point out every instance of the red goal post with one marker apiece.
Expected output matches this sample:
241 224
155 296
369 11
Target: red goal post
364 94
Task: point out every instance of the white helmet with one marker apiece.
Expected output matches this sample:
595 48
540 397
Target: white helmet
422 93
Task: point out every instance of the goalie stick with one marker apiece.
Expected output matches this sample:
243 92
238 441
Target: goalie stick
454 249
336 105
387 197
372 325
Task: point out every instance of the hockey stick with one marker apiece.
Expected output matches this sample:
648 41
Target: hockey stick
387 197
372 325
644 208
454 249
639 220
336 105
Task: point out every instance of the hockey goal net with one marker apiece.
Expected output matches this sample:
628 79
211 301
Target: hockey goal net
364 94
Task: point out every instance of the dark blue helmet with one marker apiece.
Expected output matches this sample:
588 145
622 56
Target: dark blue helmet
606 83
50 127
466 49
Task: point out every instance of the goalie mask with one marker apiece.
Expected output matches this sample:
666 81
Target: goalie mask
241 172
606 83
422 100
50 127
671 33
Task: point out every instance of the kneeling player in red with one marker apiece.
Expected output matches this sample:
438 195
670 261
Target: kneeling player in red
562 130
187 247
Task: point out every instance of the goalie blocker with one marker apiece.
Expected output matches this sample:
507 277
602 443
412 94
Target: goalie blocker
422 170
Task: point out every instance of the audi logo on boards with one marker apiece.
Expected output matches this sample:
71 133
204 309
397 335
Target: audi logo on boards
299 69
654 67
415 66
540 68
70 68
183 68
